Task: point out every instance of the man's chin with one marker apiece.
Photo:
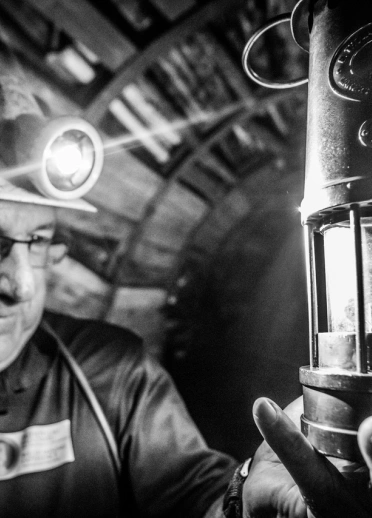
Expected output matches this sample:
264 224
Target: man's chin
7 324
11 345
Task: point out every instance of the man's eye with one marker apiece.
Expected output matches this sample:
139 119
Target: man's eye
40 240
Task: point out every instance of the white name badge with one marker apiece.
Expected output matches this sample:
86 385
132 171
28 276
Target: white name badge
37 448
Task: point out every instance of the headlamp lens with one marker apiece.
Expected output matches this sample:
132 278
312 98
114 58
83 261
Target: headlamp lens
69 160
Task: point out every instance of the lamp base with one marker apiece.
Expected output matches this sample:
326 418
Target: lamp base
335 404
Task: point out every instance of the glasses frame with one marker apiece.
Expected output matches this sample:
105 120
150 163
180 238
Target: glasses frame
46 259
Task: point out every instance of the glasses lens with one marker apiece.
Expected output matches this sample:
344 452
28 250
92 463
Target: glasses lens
39 249
5 246
42 252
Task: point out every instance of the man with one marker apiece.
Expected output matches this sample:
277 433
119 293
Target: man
60 464
63 466
89 426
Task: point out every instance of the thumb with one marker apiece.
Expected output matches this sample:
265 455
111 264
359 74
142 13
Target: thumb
293 449
365 442
321 484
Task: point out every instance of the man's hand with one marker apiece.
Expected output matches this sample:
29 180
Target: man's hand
290 479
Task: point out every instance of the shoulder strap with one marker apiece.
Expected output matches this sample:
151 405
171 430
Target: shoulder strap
89 396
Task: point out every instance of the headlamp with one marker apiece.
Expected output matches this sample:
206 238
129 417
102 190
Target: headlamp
69 158
337 217
62 158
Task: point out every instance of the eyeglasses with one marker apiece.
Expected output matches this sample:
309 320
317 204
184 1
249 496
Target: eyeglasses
43 251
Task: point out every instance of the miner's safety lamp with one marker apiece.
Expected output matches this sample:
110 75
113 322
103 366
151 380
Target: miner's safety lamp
337 216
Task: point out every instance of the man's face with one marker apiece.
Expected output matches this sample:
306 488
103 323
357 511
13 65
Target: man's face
22 286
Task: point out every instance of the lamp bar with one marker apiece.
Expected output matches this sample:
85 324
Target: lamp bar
312 295
360 340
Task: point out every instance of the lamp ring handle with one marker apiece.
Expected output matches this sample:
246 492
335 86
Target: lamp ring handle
279 85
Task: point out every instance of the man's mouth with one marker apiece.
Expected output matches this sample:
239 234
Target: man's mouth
6 314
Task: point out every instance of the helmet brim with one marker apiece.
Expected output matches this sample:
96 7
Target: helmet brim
11 192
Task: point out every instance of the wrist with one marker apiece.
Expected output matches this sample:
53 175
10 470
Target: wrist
233 501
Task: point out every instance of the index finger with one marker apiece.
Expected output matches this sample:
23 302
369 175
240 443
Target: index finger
324 489
365 442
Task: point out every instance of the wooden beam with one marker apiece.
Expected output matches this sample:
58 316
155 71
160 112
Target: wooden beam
80 20
173 9
134 67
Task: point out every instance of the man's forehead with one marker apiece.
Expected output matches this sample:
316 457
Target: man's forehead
24 217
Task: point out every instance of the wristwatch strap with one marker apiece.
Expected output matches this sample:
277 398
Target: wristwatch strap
232 502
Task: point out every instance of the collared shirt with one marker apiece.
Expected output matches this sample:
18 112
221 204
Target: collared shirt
53 458
28 368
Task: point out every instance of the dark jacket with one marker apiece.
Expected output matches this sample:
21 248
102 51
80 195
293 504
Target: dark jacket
54 460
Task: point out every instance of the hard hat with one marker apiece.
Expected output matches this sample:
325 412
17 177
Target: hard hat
44 162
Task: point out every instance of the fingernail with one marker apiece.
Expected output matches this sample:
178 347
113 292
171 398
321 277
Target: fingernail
265 411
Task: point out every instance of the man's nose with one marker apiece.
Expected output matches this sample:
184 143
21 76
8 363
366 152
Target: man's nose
16 275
